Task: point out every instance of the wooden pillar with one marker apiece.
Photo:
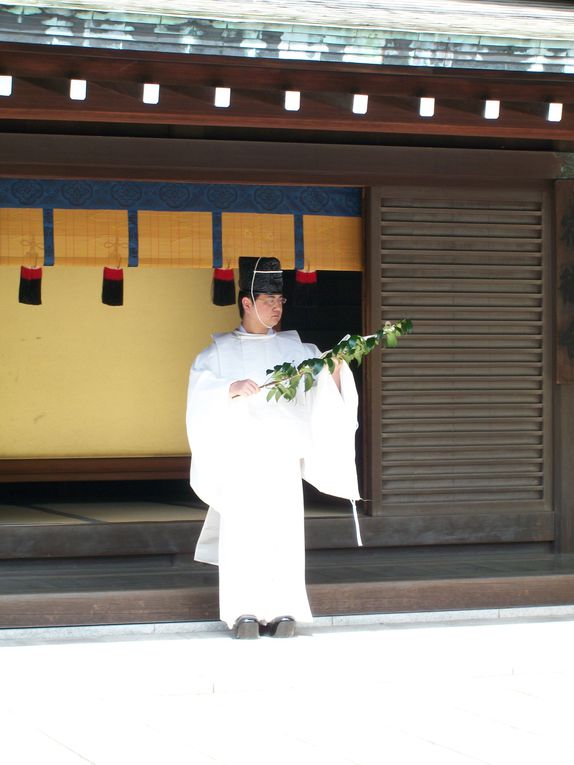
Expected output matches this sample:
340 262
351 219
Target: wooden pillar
564 399
565 467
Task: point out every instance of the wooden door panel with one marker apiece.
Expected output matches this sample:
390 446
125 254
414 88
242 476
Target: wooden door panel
460 412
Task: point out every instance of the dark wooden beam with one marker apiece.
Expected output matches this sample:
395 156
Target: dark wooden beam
48 100
41 76
94 469
152 159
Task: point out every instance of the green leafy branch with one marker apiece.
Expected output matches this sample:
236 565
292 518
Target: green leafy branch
286 378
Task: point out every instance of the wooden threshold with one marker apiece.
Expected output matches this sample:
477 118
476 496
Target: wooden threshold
40 595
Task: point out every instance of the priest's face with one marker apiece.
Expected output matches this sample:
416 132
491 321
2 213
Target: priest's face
265 313
272 305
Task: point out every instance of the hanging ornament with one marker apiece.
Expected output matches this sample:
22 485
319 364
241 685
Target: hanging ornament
305 291
30 291
223 287
113 286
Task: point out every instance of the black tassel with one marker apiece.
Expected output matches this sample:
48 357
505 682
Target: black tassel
30 286
305 290
113 286
223 287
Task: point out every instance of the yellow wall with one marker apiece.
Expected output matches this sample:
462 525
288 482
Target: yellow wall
79 378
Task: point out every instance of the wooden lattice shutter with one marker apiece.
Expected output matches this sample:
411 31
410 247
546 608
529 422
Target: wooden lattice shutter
464 404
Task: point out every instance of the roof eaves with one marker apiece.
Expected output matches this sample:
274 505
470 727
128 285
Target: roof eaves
151 32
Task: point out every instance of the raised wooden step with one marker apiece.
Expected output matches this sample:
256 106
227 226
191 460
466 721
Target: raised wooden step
322 532
174 588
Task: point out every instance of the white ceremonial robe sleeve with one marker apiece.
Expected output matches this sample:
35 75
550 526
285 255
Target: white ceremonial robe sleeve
209 416
330 463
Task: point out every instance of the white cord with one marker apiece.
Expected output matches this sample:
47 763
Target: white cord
255 271
357 527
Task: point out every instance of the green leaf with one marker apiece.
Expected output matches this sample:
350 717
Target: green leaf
286 378
317 365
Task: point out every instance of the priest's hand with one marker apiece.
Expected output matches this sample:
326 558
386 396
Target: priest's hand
243 388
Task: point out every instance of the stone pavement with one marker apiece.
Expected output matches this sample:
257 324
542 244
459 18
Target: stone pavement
446 689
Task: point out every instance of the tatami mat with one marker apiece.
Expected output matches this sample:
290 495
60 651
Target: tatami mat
118 512
16 515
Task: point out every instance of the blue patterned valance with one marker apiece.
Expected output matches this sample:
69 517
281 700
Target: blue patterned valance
198 197
151 223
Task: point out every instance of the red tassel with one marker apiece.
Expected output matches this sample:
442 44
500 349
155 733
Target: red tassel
113 286
306 277
223 287
30 291
305 291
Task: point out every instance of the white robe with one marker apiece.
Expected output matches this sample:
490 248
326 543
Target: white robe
248 458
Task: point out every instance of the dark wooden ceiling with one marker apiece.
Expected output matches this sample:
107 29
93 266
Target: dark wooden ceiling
115 79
